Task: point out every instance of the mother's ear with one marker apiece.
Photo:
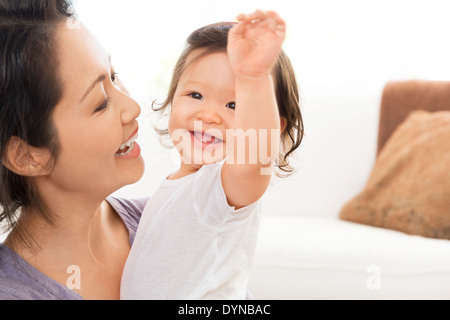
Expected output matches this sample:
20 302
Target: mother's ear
25 160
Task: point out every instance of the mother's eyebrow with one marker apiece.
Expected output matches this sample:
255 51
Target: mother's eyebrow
101 78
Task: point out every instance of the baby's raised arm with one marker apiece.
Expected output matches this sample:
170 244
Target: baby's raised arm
253 48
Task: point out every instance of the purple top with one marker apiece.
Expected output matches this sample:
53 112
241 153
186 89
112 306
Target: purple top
21 281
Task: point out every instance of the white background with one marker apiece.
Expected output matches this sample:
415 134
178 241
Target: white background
343 53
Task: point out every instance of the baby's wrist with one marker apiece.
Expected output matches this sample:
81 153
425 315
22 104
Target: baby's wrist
252 80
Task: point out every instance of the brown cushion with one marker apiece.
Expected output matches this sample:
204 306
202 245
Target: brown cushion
409 187
400 98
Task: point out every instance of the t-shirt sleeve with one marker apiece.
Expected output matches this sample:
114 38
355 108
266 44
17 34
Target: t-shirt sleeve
210 201
130 210
7 297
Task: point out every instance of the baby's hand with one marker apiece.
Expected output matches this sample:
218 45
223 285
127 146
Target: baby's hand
255 43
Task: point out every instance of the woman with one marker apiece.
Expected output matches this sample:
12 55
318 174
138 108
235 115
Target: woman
67 141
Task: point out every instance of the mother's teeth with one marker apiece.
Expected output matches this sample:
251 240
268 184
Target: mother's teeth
128 146
131 147
129 142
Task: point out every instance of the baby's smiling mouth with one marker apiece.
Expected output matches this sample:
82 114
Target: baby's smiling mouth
205 139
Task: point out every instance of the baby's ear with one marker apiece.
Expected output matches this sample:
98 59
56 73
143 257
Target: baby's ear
25 160
283 124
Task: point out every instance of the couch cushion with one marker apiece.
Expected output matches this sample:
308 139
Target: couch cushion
409 187
400 98
300 257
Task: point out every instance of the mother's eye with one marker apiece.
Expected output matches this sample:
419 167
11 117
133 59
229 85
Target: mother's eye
114 77
231 105
104 105
196 95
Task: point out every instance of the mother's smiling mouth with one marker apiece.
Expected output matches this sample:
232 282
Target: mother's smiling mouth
128 145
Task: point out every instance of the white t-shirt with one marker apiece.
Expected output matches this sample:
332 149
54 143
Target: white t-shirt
191 244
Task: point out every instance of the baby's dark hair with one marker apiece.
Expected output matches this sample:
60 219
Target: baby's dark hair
30 89
214 38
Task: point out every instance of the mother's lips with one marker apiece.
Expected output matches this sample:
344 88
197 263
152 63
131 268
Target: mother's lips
128 145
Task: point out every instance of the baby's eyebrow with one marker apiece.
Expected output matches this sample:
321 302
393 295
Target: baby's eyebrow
194 82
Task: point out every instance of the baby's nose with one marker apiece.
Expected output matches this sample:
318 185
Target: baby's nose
210 116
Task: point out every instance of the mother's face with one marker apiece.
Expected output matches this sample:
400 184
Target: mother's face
94 119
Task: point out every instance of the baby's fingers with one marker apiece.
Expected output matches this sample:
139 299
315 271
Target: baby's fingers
238 30
249 18
278 24
269 19
274 16
247 21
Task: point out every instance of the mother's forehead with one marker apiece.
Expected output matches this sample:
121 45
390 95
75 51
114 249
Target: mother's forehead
81 56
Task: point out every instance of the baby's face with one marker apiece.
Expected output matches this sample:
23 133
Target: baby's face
203 109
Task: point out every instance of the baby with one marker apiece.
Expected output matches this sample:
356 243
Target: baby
234 117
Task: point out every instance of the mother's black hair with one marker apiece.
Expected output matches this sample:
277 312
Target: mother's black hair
30 88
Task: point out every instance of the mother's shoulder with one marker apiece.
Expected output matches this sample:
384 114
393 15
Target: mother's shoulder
130 211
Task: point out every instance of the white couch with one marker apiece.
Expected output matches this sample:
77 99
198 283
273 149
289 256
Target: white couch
306 252
324 258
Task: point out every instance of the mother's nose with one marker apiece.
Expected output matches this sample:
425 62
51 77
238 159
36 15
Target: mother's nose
129 108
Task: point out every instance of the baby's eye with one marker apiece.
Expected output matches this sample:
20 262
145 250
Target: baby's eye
231 105
196 95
